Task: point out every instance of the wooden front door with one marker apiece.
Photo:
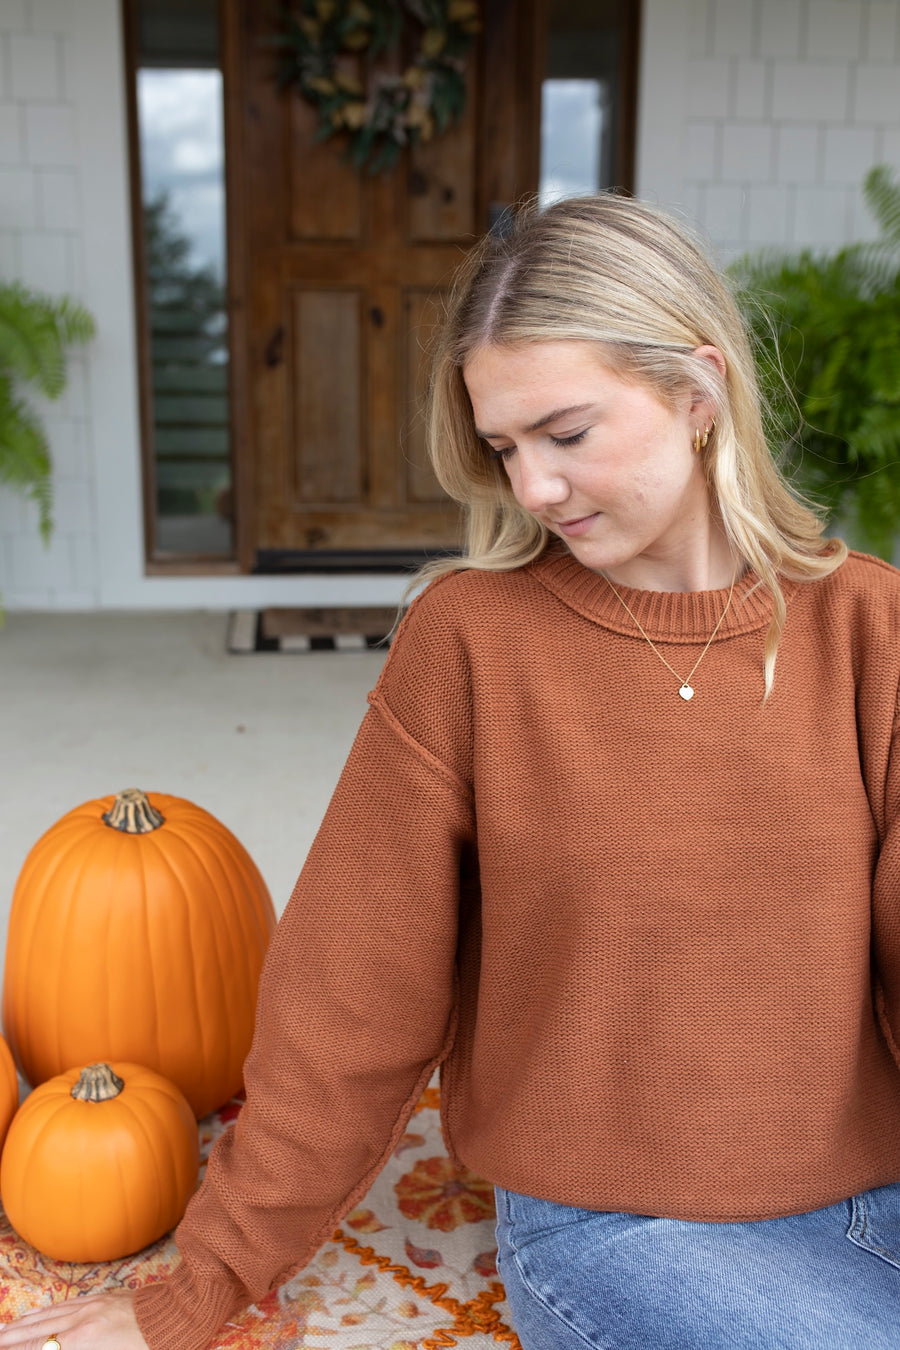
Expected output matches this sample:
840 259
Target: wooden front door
335 290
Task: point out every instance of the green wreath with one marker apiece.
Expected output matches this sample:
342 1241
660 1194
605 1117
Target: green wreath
390 111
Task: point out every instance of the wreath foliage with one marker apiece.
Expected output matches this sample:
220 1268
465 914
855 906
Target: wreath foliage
382 113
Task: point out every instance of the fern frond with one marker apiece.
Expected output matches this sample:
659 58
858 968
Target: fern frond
876 509
884 367
878 435
76 326
34 332
876 266
882 196
25 455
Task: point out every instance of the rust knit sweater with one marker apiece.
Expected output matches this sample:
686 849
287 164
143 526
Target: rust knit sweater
639 933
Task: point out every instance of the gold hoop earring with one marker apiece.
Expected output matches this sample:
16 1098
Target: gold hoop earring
706 432
697 441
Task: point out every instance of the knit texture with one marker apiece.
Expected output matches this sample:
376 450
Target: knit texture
637 932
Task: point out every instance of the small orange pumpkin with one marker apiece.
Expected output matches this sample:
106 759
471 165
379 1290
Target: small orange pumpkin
137 932
9 1089
99 1162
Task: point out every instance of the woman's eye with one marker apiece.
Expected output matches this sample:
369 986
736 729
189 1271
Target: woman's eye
501 452
569 440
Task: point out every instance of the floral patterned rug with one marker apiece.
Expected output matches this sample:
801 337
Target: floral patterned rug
411 1268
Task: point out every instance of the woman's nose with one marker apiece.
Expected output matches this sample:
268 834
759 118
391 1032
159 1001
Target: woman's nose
536 482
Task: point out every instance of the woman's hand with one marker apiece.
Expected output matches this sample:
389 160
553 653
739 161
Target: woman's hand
94 1322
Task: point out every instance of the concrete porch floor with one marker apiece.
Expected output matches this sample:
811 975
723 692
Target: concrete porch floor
93 703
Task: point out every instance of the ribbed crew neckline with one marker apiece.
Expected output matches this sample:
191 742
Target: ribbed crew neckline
670 616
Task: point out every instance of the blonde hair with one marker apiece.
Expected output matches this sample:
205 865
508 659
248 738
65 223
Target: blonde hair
613 271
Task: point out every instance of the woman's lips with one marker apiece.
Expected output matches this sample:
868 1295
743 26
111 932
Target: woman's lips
578 526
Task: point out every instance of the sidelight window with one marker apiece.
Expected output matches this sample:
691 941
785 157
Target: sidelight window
588 96
181 269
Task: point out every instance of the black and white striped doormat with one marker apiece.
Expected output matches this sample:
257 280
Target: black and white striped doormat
347 629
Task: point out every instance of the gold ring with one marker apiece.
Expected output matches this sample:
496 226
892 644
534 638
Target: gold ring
51 1343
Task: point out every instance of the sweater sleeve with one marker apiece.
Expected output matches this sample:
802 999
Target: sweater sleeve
356 1008
886 897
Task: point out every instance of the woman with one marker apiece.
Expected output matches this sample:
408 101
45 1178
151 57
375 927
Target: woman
616 845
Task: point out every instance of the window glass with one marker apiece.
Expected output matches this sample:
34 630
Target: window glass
572 118
180 127
580 97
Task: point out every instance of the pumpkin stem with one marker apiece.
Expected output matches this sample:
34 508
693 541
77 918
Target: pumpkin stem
97 1083
132 813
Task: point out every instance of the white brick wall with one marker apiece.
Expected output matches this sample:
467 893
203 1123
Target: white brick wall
41 245
787 104
758 117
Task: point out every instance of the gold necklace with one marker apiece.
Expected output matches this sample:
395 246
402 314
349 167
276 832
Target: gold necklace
685 689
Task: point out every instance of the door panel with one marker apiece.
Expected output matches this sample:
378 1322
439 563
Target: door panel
327 391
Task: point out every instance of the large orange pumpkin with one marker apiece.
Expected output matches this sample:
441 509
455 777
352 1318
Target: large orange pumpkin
99 1162
137 932
9 1089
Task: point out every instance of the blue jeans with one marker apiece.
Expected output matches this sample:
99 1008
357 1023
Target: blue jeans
827 1280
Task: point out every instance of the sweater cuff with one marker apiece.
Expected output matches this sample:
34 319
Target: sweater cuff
177 1313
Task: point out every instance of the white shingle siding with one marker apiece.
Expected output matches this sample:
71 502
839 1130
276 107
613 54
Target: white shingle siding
787 104
41 245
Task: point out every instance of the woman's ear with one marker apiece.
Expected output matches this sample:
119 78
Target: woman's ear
715 358
713 355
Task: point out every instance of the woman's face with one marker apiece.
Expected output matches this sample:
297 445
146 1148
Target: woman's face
597 459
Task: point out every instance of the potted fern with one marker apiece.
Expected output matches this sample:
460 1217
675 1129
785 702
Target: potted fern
827 333
35 331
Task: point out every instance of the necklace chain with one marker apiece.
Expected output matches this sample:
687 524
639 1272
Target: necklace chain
685 689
